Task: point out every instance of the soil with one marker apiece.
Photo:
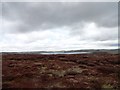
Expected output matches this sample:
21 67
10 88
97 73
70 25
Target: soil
88 71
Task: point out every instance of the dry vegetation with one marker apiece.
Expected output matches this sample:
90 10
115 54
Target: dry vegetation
88 71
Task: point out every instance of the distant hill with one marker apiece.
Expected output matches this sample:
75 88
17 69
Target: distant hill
111 51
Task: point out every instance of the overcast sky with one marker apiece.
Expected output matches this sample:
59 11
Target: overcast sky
58 26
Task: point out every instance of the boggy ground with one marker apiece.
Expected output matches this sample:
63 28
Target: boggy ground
88 71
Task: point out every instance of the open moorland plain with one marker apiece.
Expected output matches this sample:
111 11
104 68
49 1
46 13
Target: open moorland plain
96 71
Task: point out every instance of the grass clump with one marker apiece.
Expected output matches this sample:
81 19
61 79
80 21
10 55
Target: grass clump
107 86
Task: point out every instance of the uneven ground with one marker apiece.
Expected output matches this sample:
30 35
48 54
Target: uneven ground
88 71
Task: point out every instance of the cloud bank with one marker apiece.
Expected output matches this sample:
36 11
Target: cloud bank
59 25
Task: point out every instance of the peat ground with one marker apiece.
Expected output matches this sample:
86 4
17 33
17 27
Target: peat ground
88 71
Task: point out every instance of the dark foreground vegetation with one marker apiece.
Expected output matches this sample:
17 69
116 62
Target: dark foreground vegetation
88 71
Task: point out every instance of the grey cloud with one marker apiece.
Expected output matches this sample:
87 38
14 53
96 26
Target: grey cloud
0 9
41 16
0 18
